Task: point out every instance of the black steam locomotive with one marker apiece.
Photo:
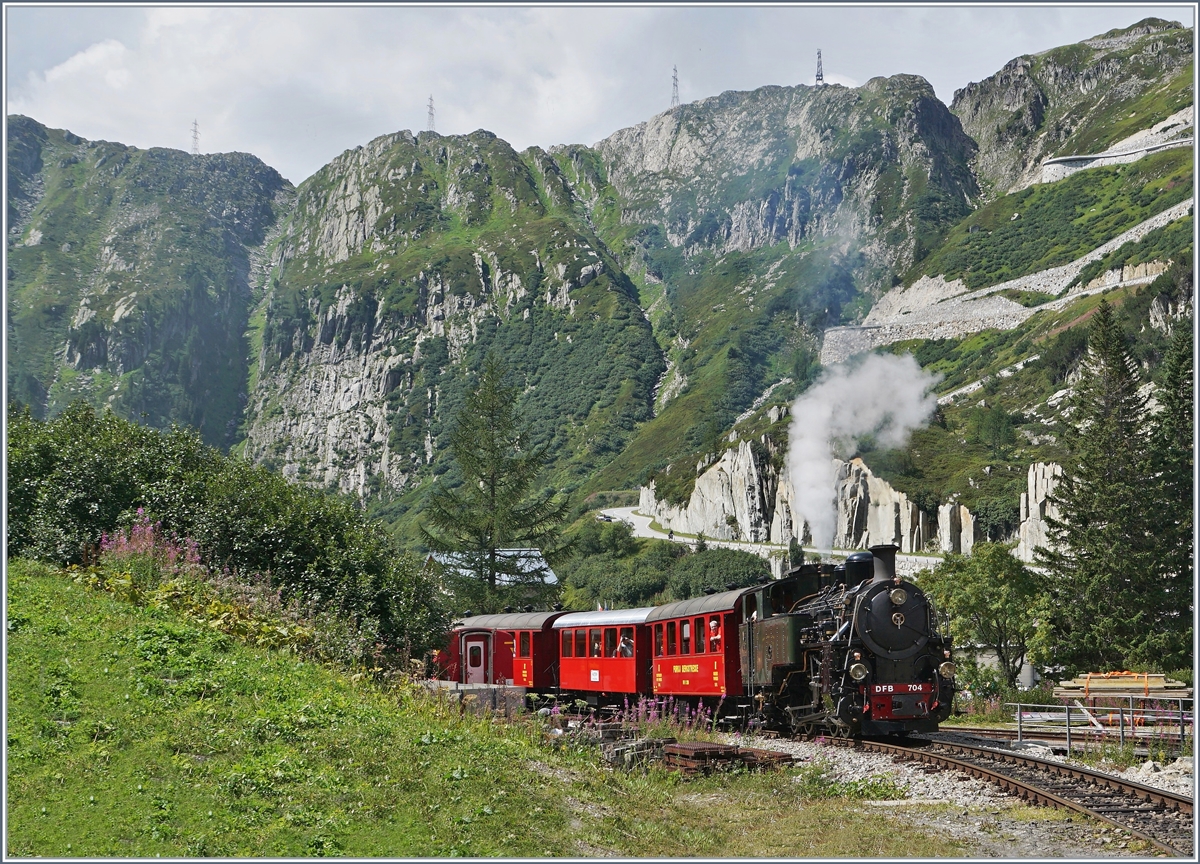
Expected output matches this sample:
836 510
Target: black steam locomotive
858 652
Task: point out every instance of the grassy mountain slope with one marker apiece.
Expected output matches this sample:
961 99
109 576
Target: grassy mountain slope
129 276
751 221
1052 224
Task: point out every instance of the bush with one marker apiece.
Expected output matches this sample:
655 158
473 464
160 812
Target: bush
86 484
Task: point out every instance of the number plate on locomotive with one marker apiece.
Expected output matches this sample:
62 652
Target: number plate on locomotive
901 688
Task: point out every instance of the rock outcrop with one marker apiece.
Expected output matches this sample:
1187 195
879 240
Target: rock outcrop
1036 506
741 497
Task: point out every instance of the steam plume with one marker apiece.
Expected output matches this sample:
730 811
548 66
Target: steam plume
882 395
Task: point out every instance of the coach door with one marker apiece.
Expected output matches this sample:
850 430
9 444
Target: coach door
475 659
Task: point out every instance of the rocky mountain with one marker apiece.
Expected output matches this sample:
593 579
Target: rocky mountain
656 296
402 264
130 276
1075 99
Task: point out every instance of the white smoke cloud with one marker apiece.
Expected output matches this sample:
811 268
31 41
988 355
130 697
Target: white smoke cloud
882 395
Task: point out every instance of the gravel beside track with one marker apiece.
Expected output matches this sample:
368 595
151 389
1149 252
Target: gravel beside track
988 822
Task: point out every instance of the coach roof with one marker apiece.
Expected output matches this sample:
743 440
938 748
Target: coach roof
608 617
723 602
507 621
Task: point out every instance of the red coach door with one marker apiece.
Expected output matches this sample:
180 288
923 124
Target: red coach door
475 659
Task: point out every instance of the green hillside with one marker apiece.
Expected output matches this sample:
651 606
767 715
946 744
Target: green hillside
1051 224
169 739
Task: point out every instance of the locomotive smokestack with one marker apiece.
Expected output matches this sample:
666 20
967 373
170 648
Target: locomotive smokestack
885 561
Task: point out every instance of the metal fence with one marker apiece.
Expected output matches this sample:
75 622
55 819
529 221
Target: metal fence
1166 720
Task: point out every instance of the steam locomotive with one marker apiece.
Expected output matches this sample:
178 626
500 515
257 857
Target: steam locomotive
848 650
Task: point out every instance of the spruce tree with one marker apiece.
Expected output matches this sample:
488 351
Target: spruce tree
495 507
1104 607
1171 446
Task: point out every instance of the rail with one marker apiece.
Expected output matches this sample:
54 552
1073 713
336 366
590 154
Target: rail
1157 816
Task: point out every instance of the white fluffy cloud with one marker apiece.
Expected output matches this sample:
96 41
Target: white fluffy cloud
297 85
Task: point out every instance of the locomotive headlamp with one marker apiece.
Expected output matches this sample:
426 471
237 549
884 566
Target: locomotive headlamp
898 596
858 671
946 670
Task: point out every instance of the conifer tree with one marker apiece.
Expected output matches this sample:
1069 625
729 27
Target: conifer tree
1172 463
495 507
1104 606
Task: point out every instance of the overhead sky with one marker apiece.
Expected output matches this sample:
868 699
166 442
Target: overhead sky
297 85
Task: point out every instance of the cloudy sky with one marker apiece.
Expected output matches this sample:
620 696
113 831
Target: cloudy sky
298 85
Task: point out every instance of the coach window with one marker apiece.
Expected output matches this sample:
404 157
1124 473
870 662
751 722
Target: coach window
671 643
658 640
610 641
625 648
595 652
699 631
714 633
566 643
524 646
580 643
685 637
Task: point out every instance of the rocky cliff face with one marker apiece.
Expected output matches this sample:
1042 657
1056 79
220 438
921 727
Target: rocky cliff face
740 171
1036 507
1076 99
131 274
407 260
743 497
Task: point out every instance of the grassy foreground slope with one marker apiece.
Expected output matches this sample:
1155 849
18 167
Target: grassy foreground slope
166 738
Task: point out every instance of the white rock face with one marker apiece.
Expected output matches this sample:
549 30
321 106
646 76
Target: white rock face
739 498
731 500
1035 507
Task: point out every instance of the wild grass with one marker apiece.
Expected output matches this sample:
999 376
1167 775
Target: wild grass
166 736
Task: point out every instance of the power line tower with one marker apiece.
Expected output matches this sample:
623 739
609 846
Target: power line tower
820 71
195 138
674 86
429 122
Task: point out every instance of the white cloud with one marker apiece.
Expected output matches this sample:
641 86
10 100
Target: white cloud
297 85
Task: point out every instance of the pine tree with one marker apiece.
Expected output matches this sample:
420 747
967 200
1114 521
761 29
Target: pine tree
495 508
1104 609
1171 445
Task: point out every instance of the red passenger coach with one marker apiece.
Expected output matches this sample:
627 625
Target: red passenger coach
606 653
696 647
514 648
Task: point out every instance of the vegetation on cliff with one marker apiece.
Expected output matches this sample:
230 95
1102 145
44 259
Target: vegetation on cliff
129 277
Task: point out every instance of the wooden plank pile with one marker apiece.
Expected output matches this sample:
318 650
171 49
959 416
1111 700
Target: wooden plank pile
700 757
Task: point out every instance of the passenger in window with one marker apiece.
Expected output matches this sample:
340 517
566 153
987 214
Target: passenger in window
714 634
626 647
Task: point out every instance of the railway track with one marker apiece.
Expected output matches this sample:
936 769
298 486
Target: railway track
1161 818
